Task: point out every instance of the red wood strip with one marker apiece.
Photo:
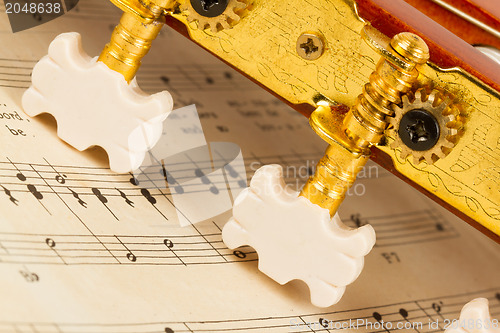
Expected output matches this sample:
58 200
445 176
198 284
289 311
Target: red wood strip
447 50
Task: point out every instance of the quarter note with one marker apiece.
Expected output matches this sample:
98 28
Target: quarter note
32 188
378 318
234 174
204 179
35 192
148 196
20 176
404 313
103 200
171 181
99 195
134 181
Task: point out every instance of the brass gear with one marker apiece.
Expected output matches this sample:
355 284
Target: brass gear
445 114
230 16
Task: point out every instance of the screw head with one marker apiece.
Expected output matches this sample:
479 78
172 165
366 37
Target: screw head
209 8
419 130
310 46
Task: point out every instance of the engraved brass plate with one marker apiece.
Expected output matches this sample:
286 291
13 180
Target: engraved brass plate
263 45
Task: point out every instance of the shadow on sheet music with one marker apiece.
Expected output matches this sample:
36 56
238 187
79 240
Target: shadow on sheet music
203 178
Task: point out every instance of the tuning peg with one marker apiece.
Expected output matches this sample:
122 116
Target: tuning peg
299 235
97 102
296 239
475 318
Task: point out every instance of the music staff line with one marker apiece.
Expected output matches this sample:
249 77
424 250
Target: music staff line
207 248
423 310
16 73
63 174
181 249
36 174
425 222
403 228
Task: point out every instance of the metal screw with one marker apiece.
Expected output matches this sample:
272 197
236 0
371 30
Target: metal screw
310 46
419 130
209 8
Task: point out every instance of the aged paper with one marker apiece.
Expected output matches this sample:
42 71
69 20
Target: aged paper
85 250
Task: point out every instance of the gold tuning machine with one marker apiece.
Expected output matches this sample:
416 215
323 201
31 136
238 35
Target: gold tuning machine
365 123
132 38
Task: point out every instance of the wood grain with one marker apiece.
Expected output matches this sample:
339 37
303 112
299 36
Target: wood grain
447 50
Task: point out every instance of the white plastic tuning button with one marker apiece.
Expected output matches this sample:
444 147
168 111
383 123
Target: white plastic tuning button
475 318
94 105
296 239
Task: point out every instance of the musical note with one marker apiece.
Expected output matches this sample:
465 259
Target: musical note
35 192
168 243
405 228
20 176
52 245
134 181
204 179
103 200
404 313
145 192
234 174
240 254
378 318
200 249
436 306
171 181
130 256
60 178
31 188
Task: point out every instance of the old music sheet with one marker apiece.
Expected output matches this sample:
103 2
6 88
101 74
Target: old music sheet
83 249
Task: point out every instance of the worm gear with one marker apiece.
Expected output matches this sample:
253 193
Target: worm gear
216 14
426 126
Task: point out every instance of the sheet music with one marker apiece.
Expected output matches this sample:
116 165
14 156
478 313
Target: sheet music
83 249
